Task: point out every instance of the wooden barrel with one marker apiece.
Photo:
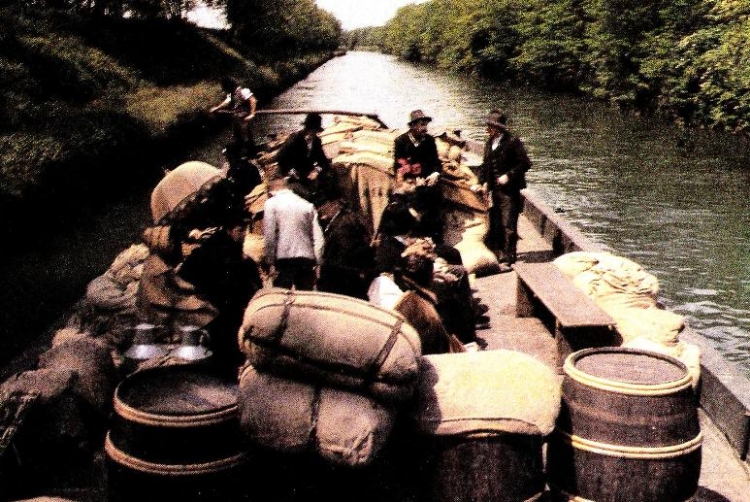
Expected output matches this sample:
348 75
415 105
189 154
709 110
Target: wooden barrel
628 429
484 467
175 434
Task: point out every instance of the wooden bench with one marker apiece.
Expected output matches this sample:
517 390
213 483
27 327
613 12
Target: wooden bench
573 318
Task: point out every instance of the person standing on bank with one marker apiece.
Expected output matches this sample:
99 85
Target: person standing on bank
242 105
292 237
417 168
301 158
504 172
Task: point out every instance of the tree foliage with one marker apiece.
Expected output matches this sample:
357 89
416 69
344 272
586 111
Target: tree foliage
278 29
688 59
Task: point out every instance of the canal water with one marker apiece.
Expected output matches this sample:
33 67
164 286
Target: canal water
677 203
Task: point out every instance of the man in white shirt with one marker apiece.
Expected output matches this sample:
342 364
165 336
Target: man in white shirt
292 237
242 104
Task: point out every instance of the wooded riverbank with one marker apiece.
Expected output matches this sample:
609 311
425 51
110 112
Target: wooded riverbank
687 60
91 104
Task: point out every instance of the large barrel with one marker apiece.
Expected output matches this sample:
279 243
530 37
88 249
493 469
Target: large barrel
482 418
628 429
175 434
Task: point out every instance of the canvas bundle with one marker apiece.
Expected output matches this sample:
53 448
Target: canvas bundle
489 391
291 416
332 339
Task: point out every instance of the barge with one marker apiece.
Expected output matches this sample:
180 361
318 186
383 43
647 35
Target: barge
527 315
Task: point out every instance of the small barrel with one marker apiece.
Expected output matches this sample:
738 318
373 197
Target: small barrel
628 429
175 434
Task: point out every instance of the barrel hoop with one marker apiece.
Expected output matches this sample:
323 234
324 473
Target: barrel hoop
575 498
159 469
630 389
174 421
633 452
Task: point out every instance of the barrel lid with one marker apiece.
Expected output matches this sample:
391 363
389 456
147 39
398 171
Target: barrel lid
175 391
627 369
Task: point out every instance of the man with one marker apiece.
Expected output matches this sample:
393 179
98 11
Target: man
417 168
504 171
292 237
347 267
242 105
301 158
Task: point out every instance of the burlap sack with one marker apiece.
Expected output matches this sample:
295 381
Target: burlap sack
688 353
494 390
359 120
179 184
378 148
56 420
385 137
292 416
252 247
656 323
380 162
92 362
372 188
332 339
465 230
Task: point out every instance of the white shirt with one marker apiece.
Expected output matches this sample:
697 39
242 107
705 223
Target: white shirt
291 228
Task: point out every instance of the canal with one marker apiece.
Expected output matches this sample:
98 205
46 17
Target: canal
677 203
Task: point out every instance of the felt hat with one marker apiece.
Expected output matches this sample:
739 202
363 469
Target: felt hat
496 118
313 122
418 115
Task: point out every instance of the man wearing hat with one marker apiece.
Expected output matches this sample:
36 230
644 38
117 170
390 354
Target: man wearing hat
302 160
417 168
504 173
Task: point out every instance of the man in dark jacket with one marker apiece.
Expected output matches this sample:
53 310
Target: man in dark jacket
504 172
301 158
348 257
417 169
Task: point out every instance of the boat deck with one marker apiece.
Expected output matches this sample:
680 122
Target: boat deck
724 476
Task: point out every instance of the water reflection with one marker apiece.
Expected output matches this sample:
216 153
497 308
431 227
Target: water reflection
676 203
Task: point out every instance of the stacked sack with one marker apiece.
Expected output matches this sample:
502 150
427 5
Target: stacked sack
110 301
629 294
364 168
325 373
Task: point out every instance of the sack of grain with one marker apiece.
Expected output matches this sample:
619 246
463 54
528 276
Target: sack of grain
332 339
465 230
292 416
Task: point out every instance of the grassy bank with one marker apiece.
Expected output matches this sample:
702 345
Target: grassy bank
90 104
